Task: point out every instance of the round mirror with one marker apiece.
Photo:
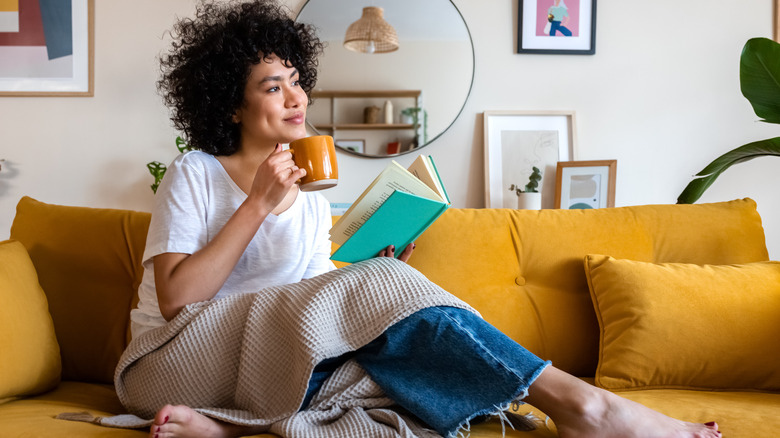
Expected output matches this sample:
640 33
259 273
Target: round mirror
377 104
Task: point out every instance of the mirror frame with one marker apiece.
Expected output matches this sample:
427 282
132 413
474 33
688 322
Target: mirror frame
454 119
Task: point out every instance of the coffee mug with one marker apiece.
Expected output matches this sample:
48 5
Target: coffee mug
317 155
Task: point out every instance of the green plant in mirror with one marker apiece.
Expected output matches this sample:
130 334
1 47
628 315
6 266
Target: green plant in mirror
157 169
414 113
533 183
759 79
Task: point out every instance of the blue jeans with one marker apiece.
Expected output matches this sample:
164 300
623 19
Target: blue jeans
445 365
556 26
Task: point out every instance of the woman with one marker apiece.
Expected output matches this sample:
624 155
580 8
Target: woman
559 14
229 219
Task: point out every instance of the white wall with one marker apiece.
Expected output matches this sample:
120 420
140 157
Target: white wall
661 96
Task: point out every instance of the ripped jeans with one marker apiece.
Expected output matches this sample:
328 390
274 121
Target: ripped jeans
445 365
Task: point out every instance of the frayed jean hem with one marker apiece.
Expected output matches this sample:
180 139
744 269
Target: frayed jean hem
464 428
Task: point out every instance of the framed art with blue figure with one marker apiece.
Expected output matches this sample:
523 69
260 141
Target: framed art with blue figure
563 27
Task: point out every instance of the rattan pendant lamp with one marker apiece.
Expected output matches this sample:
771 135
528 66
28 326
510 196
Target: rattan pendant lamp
371 33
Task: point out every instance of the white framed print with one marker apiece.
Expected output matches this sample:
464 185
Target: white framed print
585 184
518 141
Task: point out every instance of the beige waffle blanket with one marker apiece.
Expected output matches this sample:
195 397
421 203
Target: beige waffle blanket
247 359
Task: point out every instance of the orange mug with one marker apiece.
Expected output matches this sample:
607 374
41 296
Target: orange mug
317 155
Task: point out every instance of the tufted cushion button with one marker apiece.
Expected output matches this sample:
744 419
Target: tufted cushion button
520 281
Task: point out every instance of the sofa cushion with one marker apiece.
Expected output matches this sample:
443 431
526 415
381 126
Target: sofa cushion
678 325
29 354
88 263
522 269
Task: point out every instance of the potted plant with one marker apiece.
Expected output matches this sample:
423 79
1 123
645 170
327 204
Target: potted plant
411 116
759 70
529 198
157 169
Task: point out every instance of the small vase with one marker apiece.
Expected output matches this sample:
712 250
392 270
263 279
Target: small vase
529 201
388 112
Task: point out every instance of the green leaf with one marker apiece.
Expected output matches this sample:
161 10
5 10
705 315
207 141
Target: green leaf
709 174
759 77
182 145
157 169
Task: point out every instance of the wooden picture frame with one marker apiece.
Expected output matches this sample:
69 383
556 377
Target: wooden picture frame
357 146
776 20
585 184
47 55
574 33
515 142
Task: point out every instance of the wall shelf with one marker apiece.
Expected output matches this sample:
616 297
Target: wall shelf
362 126
365 93
347 112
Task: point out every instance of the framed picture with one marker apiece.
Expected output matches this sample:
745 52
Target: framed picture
563 27
518 141
358 146
776 20
47 48
585 184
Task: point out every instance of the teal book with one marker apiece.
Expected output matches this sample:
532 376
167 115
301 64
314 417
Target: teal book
395 209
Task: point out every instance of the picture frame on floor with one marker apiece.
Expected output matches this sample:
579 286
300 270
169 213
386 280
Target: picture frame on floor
561 27
517 141
47 49
585 184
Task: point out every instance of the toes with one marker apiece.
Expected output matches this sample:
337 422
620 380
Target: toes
163 415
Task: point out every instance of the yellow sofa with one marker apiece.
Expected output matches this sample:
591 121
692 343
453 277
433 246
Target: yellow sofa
674 306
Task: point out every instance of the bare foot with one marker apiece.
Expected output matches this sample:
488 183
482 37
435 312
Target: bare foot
183 422
608 415
582 410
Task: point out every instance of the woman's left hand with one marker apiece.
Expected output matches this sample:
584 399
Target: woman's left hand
390 252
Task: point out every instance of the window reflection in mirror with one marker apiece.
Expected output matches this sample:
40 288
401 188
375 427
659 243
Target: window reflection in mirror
426 81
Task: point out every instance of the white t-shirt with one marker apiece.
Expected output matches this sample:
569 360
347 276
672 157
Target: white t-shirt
195 200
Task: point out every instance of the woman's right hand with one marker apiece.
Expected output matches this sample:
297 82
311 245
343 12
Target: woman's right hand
183 279
274 178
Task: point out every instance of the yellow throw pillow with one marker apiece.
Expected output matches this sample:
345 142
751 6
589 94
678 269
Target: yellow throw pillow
676 325
29 353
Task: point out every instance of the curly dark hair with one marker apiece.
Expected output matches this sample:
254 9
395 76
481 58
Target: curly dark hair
205 72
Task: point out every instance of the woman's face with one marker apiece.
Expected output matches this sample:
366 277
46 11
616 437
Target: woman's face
274 107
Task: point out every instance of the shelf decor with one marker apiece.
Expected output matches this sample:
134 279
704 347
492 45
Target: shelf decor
358 146
563 27
47 48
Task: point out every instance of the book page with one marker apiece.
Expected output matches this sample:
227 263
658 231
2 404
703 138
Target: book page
393 178
422 168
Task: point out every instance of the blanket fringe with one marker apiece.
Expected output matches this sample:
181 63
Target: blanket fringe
124 421
83 416
525 423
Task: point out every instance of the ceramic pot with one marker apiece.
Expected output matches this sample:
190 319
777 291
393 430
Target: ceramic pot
529 201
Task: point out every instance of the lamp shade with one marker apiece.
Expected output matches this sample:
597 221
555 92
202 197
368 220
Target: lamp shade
371 33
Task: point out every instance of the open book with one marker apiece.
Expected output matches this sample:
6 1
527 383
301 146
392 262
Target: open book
394 210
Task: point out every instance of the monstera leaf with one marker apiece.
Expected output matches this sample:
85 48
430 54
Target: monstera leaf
759 78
